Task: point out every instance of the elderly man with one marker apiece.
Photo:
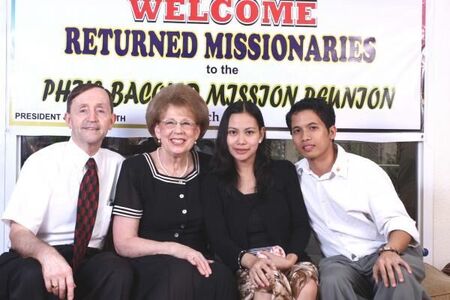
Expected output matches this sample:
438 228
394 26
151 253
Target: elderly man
60 210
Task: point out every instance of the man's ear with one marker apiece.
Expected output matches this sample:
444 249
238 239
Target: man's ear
67 120
332 132
113 120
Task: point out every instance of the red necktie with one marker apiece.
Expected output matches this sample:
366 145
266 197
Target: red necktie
86 212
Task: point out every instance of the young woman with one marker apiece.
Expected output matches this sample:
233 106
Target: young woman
255 214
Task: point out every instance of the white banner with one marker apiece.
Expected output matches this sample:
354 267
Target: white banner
362 56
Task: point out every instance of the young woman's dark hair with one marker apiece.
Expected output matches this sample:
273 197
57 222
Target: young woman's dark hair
223 163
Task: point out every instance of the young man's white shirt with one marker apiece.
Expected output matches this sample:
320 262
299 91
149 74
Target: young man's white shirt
354 207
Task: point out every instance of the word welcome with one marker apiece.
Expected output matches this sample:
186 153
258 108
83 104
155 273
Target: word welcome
246 12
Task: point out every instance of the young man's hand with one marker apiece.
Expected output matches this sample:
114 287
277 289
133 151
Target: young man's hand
389 266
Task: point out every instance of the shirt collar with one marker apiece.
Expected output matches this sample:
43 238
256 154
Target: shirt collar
340 166
79 157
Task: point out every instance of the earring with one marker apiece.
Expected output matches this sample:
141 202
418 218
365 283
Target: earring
159 141
195 142
260 141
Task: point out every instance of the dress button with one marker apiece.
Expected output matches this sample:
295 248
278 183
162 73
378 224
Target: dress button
184 211
181 196
176 235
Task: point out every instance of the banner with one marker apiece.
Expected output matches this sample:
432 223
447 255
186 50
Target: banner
363 56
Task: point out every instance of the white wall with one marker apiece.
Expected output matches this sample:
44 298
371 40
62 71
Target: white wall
437 137
2 112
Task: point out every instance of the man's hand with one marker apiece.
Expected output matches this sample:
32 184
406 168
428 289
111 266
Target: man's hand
57 274
387 266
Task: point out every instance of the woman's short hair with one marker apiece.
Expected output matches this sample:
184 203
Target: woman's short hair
178 95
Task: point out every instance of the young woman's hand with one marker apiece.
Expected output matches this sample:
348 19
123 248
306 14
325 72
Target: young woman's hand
261 272
280 262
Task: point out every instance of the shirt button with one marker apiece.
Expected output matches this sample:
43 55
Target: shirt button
184 211
182 226
181 196
176 235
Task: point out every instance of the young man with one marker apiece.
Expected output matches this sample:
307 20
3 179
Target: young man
369 242
45 212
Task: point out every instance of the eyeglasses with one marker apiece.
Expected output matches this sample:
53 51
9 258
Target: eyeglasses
185 124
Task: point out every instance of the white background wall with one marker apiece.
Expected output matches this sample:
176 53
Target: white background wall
436 146
2 112
437 133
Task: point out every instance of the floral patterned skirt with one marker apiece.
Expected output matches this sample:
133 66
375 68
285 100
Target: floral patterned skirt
284 286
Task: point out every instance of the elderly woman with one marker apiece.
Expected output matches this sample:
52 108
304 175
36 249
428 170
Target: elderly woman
158 220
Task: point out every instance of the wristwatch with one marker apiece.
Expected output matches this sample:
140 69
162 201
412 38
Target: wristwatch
385 248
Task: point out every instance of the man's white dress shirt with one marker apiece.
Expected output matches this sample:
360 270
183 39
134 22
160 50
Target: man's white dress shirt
354 207
45 197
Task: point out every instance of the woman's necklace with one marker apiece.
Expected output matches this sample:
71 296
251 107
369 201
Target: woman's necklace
164 169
